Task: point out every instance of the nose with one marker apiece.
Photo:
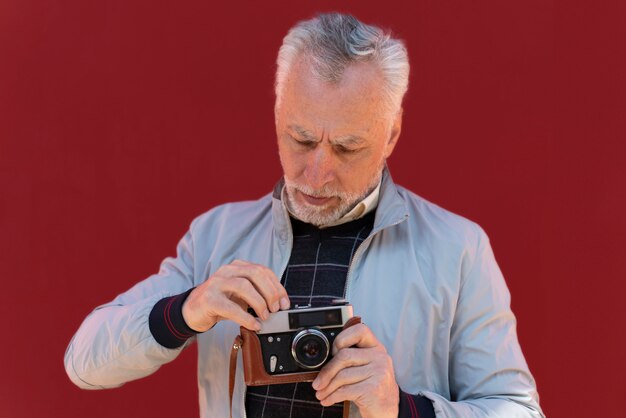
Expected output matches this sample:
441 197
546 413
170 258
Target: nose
320 167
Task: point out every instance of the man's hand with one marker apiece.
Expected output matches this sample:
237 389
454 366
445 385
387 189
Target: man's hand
361 371
228 293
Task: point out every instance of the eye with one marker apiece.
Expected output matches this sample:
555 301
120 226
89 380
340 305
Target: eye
302 142
344 150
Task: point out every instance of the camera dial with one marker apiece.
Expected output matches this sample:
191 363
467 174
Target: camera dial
310 348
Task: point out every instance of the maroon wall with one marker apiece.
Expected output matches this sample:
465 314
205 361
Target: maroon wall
120 121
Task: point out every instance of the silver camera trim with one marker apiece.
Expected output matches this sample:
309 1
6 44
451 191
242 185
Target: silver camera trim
302 334
279 321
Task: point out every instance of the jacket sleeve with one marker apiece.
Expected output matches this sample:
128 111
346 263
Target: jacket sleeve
114 344
488 374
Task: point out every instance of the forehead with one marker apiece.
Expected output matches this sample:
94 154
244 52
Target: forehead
355 101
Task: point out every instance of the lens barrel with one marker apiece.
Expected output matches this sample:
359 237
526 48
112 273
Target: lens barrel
310 348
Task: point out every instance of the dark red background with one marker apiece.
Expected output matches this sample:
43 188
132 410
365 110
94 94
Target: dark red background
120 121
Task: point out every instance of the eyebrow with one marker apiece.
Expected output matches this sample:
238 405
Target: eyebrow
342 140
308 135
348 140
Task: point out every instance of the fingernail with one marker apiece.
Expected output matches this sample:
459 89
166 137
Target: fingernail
315 384
275 306
284 303
265 315
257 325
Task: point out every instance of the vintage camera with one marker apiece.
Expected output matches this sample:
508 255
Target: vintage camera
300 339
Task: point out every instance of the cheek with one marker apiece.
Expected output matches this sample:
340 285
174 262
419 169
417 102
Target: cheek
293 164
358 173
362 164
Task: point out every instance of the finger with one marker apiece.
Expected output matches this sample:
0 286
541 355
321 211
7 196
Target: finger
275 278
347 376
265 281
347 357
242 288
241 270
284 297
358 335
350 392
267 284
231 310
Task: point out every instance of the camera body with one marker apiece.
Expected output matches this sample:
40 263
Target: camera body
300 339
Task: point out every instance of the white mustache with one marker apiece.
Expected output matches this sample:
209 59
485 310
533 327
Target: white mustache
323 193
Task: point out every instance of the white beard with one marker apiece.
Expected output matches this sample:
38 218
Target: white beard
320 215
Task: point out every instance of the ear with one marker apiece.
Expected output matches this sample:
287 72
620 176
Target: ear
394 134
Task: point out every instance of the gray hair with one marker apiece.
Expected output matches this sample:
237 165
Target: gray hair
333 41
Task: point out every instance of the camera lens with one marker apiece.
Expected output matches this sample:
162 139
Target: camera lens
310 348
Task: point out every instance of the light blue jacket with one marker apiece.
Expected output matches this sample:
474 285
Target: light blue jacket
425 281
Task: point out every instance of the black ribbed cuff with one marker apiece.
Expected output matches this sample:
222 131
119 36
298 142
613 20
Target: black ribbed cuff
166 321
415 406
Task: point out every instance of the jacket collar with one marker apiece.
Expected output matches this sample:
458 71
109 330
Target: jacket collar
392 208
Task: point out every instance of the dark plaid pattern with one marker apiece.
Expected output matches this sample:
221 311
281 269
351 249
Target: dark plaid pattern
316 275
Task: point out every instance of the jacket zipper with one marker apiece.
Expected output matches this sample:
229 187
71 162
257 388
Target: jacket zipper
362 248
237 347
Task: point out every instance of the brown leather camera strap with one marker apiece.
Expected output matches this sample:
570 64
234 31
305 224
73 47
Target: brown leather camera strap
237 344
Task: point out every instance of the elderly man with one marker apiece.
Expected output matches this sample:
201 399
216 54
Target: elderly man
438 337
